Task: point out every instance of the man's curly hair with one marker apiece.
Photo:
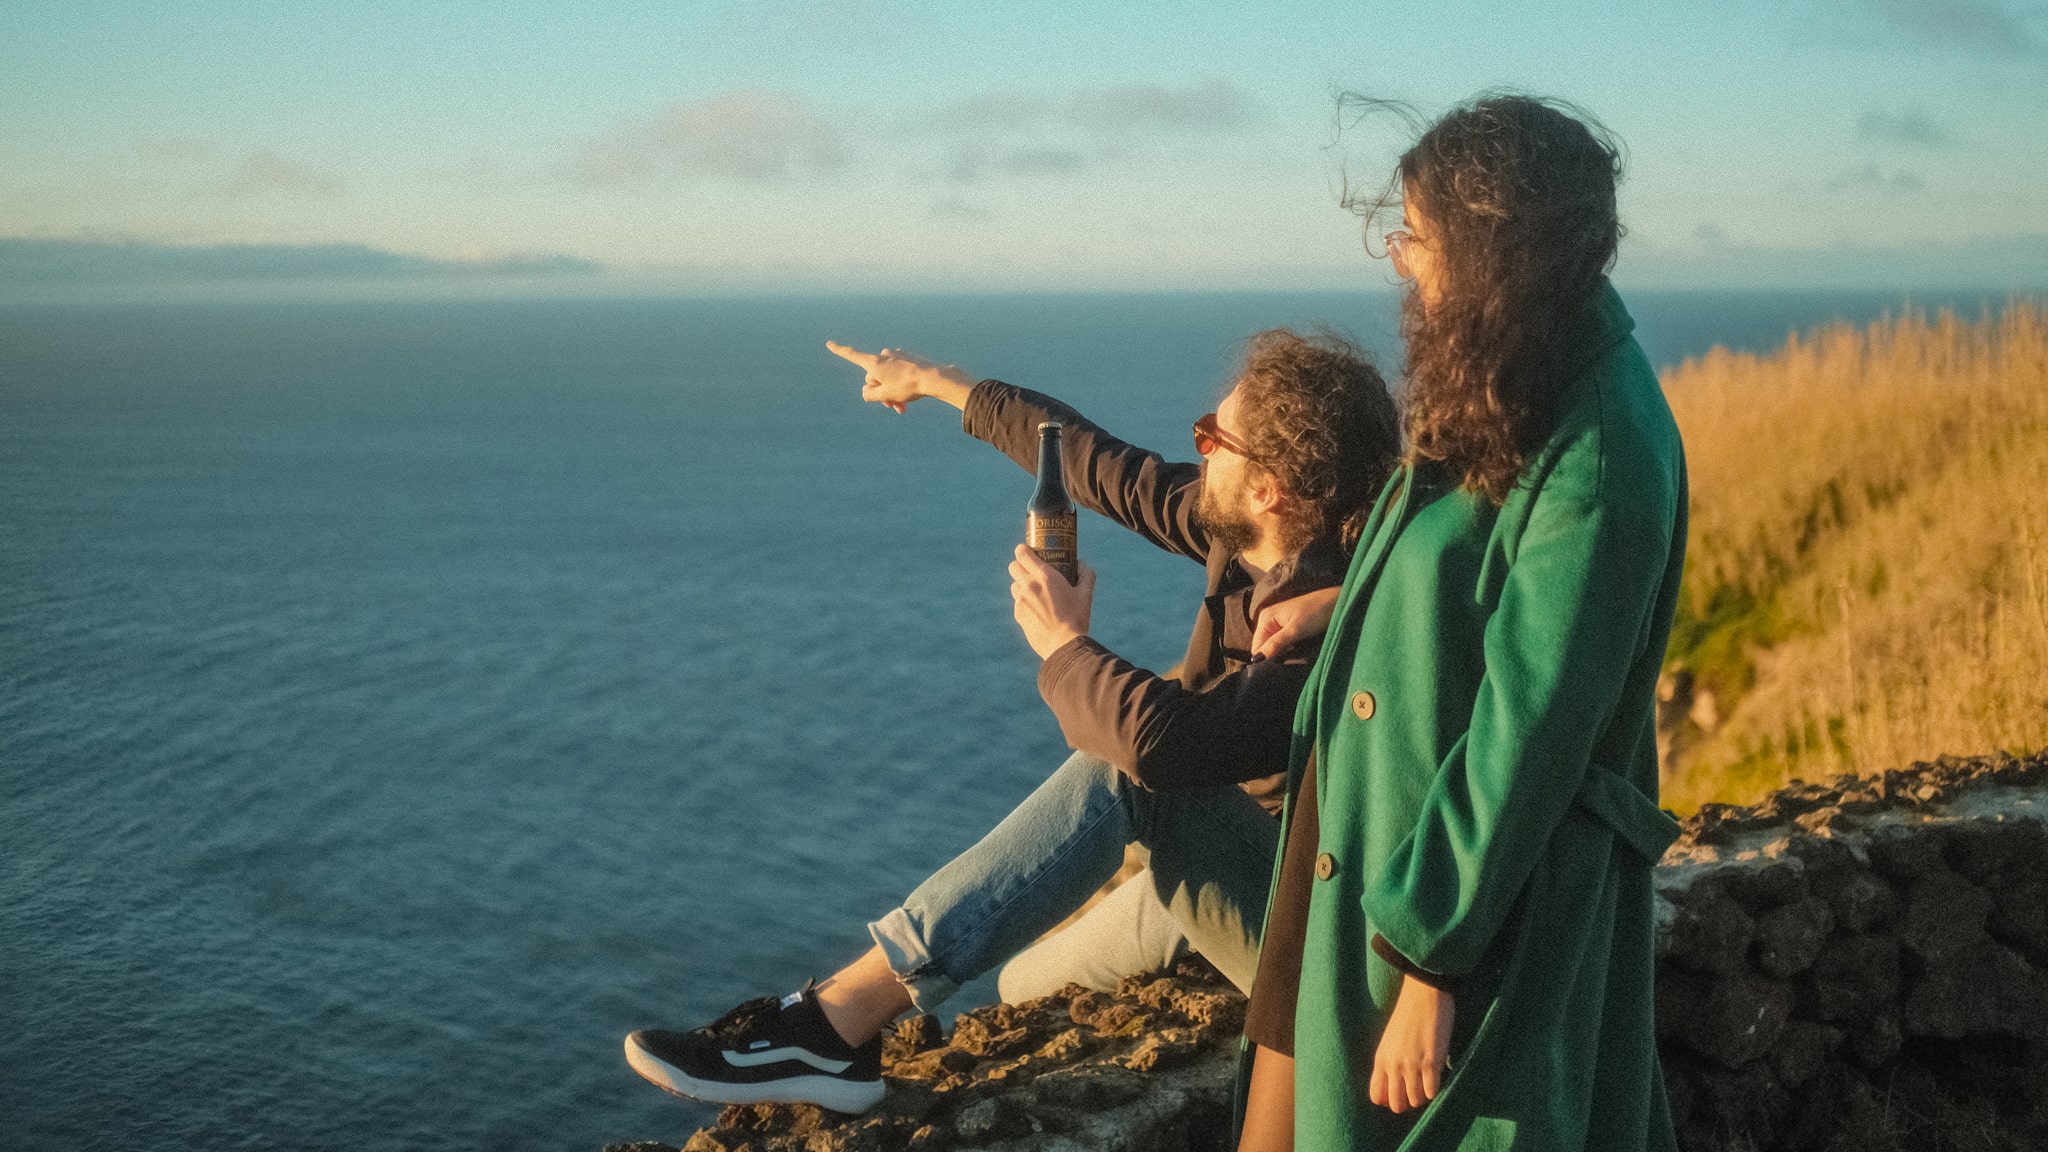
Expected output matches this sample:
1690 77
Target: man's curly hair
1318 418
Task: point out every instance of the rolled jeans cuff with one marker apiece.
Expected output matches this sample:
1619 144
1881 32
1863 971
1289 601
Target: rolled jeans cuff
903 947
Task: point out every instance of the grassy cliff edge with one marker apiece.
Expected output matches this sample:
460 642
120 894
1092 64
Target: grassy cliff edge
1867 575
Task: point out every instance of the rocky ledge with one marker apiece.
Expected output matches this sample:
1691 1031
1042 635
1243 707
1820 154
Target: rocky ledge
1143 1069
1855 965
1862 964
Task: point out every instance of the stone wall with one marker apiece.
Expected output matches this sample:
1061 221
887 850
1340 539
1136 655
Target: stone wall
1860 965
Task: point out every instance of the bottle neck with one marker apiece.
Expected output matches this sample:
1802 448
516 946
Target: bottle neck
1052 481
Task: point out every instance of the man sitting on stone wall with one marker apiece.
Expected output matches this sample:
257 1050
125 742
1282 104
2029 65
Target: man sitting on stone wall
1190 767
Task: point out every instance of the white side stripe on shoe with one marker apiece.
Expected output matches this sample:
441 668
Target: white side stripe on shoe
749 1059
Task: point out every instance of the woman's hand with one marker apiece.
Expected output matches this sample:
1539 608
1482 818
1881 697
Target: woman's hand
1286 623
1051 611
1408 1068
896 379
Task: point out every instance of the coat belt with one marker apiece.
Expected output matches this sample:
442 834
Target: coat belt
1622 806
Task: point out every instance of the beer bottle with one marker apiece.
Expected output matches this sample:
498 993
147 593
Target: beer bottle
1049 521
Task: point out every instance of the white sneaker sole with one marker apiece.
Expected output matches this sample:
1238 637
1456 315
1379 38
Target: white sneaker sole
824 1091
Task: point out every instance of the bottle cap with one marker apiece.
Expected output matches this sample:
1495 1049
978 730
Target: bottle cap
1052 424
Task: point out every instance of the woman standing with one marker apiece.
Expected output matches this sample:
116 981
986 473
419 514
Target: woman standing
1459 951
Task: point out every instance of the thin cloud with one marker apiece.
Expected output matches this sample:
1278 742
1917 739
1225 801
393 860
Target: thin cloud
1871 178
1213 105
1042 162
1207 107
475 170
747 135
1029 135
1994 264
965 165
1982 26
264 172
34 261
176 151
760 136
956 208
1912 128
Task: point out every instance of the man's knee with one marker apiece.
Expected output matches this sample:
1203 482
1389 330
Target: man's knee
1092 775
1082 768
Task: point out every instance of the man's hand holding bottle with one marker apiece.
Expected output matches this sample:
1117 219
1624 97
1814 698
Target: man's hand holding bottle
1051 611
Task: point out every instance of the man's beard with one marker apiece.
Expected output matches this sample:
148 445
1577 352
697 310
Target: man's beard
1227 528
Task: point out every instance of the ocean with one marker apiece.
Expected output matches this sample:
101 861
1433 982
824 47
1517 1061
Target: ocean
401 701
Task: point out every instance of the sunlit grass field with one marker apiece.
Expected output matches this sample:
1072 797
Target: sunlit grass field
1866 580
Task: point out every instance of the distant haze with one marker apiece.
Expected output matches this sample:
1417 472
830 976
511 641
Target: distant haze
857 145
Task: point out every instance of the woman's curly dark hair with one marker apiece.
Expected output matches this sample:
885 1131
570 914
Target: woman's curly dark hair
1518 196
1319 419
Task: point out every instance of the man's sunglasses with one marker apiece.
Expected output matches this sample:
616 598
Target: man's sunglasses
1209 437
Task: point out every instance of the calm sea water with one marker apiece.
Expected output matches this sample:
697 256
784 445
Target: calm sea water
401 702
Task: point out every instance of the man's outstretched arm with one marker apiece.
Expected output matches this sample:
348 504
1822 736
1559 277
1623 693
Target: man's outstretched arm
1138 489
897 379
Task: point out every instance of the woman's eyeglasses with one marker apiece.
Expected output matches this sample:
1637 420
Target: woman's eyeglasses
1397 245
1209 437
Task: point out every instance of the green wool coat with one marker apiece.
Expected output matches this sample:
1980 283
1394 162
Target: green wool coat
1482 718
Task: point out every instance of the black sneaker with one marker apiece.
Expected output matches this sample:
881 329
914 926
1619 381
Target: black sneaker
767 1050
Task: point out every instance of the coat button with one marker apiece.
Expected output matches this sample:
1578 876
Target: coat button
1326 866
1362 705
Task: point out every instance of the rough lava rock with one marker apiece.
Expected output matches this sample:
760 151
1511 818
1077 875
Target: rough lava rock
1860 964
1147 1068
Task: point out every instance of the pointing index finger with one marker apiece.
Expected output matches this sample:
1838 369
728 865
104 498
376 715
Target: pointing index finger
850 353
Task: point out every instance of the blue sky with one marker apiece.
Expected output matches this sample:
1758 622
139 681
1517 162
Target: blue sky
876 144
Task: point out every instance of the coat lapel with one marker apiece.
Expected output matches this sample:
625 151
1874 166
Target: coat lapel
1375 542
1381 542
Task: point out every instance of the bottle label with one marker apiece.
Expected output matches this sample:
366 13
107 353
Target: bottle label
1054 539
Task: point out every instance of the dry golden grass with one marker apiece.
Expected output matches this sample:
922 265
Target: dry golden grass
1867 575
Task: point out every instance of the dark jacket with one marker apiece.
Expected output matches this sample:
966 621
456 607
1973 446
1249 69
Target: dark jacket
1224 718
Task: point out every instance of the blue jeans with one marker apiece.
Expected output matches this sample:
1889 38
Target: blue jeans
1129 930
1212 864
